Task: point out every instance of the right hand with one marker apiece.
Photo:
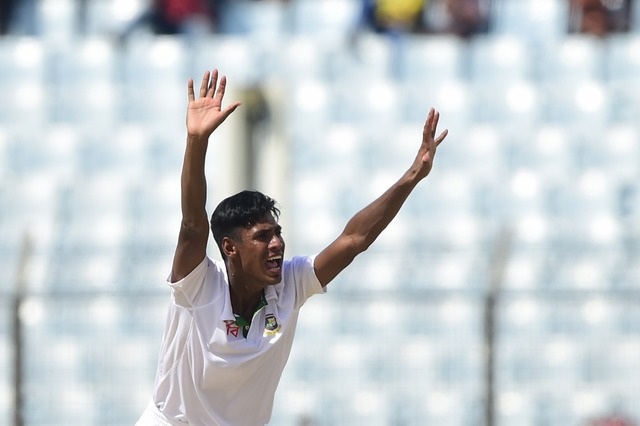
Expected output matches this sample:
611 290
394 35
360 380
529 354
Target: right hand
205 114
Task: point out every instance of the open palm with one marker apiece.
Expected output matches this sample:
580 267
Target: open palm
205 114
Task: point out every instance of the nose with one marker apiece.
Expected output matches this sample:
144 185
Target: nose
276 242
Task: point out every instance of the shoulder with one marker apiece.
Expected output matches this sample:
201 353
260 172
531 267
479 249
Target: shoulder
299 275
201 284
298 264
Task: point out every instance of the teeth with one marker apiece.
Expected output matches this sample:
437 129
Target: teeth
274 258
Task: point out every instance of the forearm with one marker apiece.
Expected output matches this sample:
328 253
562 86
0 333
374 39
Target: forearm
193 184
365 227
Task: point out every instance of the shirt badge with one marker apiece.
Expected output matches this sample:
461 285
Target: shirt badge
271 325
232 328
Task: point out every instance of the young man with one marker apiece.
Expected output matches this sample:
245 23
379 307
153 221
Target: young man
231 324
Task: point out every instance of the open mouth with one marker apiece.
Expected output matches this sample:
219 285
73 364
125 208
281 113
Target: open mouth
274 263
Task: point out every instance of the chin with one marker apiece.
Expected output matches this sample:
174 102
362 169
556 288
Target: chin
273 280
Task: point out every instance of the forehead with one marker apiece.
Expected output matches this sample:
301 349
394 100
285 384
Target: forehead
267 222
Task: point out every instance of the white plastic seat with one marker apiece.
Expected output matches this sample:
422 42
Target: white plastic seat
368 57
22 60
585 103
515 407
25 67
514 104
57 20
254 19
524 271
587 273
622 72
372 103
85 85
325 19
573 59
454 99
155 78
26 105
112 17
233 55
87 61
538 21
155 63
500 59
622 53
433 59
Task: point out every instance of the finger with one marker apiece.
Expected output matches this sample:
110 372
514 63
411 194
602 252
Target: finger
228 110
204 84
190 93
214 83
221 88
434 126
427 124
443 135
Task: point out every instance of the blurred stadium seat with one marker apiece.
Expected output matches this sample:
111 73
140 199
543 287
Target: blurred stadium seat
543 142
325 19
539 22
259 20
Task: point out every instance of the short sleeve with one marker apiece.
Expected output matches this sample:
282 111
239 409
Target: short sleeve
184 292
307 283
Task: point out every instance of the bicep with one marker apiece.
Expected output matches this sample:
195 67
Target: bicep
191 249
334 259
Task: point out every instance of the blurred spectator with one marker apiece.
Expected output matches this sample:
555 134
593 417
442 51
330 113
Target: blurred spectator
468 17
599 17
6 7
18 17
393 16
178 17
464 18
612 421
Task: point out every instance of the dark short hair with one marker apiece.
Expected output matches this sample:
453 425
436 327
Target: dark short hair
242 210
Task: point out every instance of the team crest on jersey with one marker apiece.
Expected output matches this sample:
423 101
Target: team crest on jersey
271 326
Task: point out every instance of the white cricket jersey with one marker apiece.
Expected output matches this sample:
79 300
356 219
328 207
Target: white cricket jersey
208 373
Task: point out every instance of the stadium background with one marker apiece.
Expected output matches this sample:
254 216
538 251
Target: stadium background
507 292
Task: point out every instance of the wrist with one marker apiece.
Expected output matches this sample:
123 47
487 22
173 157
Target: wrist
413 176
197 139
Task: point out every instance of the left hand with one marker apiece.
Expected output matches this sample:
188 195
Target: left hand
424 159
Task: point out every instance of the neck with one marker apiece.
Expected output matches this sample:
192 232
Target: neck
244 297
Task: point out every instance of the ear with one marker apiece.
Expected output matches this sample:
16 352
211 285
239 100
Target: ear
229 247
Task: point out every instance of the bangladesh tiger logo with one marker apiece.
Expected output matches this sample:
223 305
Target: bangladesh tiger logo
271 326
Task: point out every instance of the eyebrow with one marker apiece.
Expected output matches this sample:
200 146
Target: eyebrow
276 229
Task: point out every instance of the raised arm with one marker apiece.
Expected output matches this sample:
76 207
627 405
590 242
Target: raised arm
204 115
363 228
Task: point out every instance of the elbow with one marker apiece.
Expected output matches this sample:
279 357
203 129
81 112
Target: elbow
358 244
194 228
